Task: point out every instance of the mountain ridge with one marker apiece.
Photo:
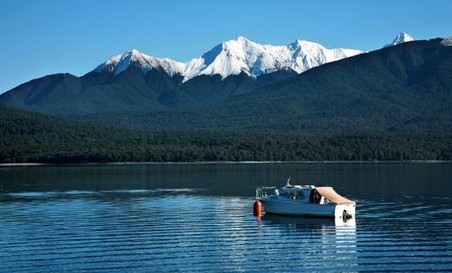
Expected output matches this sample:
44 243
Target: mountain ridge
232 57
173 67
136 82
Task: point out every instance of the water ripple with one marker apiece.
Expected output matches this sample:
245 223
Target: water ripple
174 230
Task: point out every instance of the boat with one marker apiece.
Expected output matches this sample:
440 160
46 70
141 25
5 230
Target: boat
303 200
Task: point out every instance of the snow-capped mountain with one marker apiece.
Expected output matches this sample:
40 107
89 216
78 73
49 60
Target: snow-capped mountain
121 62
242 55
233 57
402 37
137 84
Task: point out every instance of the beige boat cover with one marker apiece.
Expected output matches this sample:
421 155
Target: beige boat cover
333 196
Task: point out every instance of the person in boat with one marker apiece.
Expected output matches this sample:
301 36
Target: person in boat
315 197
288 185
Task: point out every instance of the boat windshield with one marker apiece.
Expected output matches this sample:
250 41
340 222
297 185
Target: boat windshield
292 193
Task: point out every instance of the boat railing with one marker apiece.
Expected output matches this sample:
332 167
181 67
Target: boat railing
263 191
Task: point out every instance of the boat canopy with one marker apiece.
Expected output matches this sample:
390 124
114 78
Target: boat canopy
330 194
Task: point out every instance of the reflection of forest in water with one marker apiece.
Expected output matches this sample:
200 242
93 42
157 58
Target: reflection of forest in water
355 180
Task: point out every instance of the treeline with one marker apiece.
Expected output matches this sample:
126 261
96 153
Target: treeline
36 138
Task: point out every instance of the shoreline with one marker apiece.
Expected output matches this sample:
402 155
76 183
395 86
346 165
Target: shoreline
32 164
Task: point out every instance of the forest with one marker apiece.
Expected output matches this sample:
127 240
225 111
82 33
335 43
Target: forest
29 137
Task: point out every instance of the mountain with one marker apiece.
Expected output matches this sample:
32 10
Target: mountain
134 81
121 62
402 37
388 104
234 57
401 89
244 56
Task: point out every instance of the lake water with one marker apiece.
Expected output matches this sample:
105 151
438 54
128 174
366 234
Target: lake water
195 218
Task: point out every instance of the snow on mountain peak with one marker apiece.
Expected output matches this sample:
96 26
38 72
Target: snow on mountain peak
233 57
402 37
447 41
241 39
241 55
121 62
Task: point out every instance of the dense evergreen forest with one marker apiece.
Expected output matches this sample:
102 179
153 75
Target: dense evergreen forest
29 137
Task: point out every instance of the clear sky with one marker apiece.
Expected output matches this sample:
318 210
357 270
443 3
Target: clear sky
50 36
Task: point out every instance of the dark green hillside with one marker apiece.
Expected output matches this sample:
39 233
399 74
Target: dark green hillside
404 89
66 95
28 137
130 91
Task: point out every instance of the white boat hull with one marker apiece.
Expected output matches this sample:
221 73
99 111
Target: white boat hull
285 206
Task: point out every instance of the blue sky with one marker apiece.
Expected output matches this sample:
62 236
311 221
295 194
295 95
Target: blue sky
51 36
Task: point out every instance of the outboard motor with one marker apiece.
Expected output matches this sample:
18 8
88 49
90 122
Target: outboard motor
346 216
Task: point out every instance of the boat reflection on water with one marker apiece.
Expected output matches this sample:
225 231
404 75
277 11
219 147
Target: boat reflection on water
307 222
330 238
